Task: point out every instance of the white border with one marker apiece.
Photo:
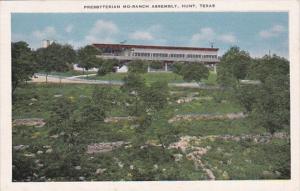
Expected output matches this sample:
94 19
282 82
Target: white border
6 8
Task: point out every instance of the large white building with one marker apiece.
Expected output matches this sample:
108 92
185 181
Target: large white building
165 54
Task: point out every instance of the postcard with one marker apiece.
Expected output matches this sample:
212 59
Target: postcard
150 95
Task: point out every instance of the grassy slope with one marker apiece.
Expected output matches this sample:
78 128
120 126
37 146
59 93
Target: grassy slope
235 156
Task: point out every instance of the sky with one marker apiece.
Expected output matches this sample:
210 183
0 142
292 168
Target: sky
255 32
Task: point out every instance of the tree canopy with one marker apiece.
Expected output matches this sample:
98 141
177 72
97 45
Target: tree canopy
107 66
233 66
23 64
194 71
86 57
55 57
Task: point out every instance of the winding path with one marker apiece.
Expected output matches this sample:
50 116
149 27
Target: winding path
41 78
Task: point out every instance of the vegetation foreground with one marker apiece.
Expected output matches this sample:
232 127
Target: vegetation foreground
50 153
146 130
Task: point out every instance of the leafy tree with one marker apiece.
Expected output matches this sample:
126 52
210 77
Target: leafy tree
66 57
194 71
23 64
268 66
107 66
55 57
156 65
177 68
233 66
61 112
86 57
137 66
133 82
134 85
156 96
246 96
272 108
269 102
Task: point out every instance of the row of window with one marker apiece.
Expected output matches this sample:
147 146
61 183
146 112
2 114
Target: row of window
164 55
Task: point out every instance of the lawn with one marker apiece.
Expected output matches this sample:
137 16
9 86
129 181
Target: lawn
150 77
68 73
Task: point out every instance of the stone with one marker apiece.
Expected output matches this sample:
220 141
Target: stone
40 165
33 99
30 104
37 122
128 146
225 175
81 178
155 166
120 164
278 173
57 95
104 147
131 167
229 162
46 146
267 173
20 147
31 155
43 178
62 133
77 167
210 174
54 136
39 152
100 170
178 157
49 150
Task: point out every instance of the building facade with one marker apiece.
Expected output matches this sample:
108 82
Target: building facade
164 54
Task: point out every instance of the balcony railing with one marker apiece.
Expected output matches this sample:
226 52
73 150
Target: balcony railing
118 57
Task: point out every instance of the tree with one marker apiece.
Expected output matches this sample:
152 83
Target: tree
233 66
55 57
268 102
194 71
246 96
156 96
107 66
66 57
156 65
23 64
272 110
272 107
177 68
134 85
61 113
86 57
268 66
137 66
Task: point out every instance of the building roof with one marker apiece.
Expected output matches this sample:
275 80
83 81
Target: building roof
120 46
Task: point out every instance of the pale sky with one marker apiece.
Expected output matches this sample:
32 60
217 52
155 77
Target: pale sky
254 32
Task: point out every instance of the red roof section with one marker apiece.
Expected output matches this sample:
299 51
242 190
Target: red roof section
119 46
